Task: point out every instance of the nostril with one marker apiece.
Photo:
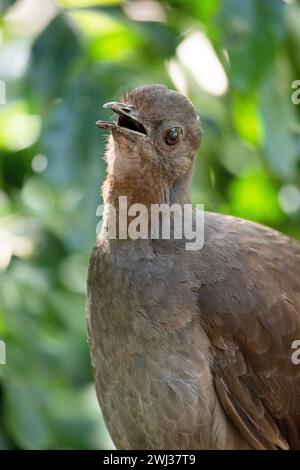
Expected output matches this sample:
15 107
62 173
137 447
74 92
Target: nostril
127 109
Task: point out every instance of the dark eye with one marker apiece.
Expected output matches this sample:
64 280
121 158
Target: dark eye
173 136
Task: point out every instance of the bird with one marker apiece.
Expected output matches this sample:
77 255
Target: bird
190 349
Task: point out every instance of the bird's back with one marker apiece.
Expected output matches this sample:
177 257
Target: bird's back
249 304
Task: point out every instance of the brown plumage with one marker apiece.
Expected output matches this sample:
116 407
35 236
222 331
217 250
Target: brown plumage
190 349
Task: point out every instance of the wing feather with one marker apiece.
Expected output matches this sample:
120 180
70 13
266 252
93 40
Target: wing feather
250 310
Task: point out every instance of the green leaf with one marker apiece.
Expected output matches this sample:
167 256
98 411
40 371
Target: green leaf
53 56
281 146
108 36
255 198
247 119
23 416
253 30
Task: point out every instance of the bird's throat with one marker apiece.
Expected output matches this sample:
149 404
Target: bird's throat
133 192
129 197
138 189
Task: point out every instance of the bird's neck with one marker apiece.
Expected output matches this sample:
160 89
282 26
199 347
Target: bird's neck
147 187
135 195
181 189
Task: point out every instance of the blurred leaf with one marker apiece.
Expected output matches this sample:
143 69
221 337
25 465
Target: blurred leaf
160 39
203 10
107 37
238 157
23 417
278 113
5 4
18 129
96 23
87 3
247 118
293 21
253 30
49 69
255 198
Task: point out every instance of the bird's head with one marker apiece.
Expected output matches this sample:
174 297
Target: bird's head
154 127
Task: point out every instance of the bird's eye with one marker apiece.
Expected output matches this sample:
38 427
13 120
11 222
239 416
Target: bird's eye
173 136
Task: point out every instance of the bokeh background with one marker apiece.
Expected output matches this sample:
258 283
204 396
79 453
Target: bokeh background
236 60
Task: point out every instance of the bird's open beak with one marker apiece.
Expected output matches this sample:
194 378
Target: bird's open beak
127 120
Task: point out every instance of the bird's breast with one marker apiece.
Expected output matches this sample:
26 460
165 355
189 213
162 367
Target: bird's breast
150 355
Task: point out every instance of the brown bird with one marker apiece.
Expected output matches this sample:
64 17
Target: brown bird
191 349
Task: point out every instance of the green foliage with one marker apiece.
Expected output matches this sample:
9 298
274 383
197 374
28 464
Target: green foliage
5 4
58 71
